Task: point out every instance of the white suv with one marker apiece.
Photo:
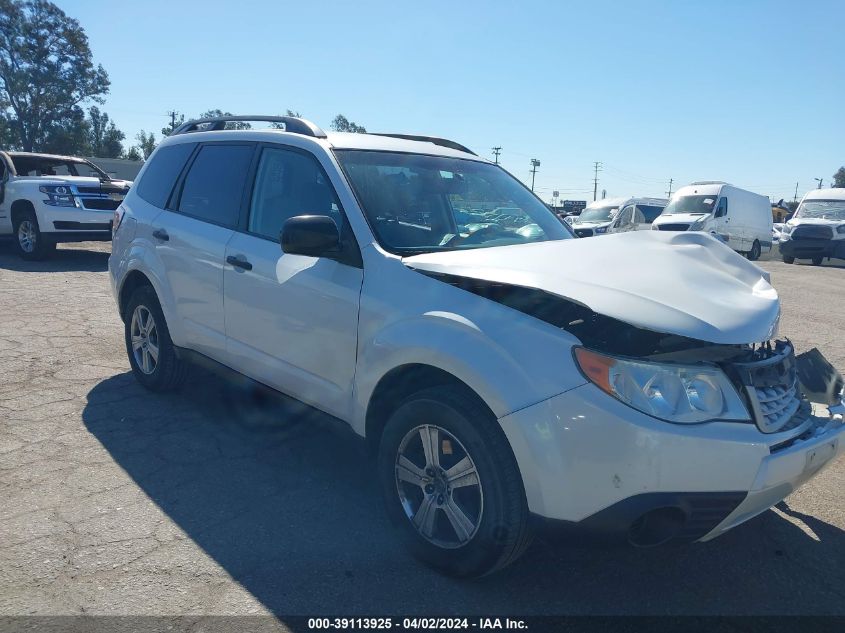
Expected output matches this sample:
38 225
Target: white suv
46 199
499 378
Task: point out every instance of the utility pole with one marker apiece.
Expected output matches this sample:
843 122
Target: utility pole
596 170
819 180
669 193
795 199
496 152
534 165
172 114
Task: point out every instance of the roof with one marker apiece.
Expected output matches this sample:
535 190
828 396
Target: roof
50 156
333 140
613 202
832 193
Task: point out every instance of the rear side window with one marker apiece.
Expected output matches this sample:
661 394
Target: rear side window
215 182
162 172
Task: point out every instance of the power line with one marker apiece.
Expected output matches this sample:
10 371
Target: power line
596 170
173 114
496 152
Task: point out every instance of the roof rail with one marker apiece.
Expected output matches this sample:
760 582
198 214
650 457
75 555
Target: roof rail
442 142
709 182
291 123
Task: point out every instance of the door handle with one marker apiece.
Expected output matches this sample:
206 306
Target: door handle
161 234
237 262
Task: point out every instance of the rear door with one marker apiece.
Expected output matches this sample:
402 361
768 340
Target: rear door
191 237
292 320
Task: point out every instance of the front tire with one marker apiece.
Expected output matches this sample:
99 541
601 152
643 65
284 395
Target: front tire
151 352
754 253
451 483
788 260
30 242
817 261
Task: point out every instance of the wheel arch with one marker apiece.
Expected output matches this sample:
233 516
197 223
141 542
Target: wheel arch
399 383
134 279
19 208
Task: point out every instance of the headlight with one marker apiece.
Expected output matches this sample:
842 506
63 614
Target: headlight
698 225
601 229
683 394
58 195
787 229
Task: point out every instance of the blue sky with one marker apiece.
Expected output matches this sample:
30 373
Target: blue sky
752 92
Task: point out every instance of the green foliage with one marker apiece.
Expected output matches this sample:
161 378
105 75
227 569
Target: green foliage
146 144
46 70
839 178
133 153
342 124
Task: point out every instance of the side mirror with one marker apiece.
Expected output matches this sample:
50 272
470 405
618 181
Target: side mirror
312 235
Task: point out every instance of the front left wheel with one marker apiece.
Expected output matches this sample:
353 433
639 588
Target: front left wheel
30 242
754 253
451 483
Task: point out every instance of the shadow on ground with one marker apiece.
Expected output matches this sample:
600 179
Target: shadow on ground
62 260
287 505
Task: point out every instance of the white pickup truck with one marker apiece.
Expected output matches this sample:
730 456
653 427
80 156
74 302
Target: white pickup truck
47 199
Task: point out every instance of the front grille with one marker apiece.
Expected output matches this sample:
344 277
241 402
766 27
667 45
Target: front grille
770 382
672 227
583 232
812 232
100 204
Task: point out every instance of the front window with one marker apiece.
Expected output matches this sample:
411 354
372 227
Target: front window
27 165
822 209
417 203
598 214
690 204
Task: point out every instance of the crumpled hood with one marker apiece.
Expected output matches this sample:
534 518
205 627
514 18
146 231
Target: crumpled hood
684 283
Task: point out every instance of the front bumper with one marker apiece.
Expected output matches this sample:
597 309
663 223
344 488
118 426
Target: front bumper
811 248
589 460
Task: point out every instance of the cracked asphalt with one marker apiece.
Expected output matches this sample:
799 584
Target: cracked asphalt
218 500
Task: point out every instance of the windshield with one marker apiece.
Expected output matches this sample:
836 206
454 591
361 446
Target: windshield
824 209
690 204
30 165
418 204
597 214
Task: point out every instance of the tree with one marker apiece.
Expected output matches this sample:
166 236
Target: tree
230 125
288 112
175 122
342 124
133 153
46 68
146 143
105 140
839 178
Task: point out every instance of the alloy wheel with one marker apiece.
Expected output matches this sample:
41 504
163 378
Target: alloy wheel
144 335
27 236
439 486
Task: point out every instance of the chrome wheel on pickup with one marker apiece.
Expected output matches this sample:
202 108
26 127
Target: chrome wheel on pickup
27 236
30 242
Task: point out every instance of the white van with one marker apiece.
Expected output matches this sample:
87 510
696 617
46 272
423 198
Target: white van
817 230
742 219
618 215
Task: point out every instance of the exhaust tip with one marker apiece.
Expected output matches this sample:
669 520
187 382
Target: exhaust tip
656 527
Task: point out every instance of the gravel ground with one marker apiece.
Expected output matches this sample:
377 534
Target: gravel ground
216 501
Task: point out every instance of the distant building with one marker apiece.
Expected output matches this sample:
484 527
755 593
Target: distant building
120 168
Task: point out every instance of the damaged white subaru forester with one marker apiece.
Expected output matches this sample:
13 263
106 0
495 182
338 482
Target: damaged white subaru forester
504 372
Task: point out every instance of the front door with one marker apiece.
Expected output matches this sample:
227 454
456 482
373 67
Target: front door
292 320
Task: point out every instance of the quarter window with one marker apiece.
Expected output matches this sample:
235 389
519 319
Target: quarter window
287 184
161 174
214 185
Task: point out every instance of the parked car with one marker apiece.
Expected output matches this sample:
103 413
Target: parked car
817 229
47 199
618 215
742 219
499 381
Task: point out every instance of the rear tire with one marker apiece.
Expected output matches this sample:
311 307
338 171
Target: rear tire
817 261
151 352
788 260
30 242
491 527
754 253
